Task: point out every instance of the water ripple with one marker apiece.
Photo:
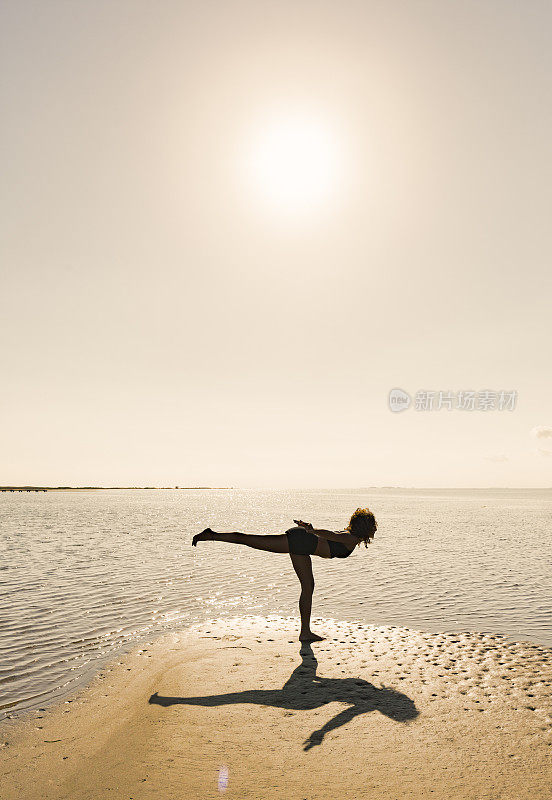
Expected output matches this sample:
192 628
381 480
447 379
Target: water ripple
87 574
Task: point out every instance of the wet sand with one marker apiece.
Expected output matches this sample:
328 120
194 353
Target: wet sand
238 708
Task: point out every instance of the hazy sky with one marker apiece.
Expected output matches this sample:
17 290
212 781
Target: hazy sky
230 228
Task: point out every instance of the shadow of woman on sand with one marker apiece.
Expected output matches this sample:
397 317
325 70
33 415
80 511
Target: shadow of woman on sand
305 690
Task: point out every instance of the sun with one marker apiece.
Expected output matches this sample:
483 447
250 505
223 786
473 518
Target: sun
295 163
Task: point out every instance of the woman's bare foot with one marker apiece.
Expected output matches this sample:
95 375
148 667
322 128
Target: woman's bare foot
309 636
204 536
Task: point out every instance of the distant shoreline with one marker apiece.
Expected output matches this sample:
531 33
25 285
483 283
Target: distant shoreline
326 489
98 488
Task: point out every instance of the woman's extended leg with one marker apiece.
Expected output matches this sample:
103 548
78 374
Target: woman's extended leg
303 567
273 543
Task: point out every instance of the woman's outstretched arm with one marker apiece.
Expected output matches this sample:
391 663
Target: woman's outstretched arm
345 538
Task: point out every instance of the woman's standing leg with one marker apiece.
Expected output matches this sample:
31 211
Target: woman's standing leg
303 567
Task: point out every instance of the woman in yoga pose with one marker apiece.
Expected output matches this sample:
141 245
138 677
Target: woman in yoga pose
302 542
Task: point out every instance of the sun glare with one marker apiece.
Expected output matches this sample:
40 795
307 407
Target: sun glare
295 163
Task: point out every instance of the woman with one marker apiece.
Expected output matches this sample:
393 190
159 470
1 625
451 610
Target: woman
302 542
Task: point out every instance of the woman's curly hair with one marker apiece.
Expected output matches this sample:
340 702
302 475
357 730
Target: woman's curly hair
362 524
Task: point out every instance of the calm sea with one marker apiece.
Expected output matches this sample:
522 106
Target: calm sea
87 574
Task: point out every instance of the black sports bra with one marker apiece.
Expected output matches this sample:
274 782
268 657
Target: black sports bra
338 550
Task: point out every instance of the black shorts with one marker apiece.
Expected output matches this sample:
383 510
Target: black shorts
301 542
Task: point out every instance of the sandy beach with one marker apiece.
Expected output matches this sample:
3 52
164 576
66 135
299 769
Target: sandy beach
238 708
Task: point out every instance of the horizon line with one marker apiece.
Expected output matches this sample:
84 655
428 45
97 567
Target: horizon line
36 487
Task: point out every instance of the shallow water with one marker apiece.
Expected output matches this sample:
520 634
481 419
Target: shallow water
86 574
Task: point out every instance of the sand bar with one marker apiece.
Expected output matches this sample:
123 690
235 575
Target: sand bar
238 709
